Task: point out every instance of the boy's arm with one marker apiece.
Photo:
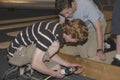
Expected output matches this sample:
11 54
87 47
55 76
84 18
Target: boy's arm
60 61
38 64
99 36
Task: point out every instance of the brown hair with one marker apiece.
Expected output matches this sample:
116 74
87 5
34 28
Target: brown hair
62 4
78 29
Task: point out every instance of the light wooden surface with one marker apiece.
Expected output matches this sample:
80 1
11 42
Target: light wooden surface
17 23
95 70
26 19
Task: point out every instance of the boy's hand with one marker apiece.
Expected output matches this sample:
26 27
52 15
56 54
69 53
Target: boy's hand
79 68
101 55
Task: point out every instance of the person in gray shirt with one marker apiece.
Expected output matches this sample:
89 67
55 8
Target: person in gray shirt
87 11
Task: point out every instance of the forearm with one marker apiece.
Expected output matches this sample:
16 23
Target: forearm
99 38
99 34
42 68
60 61
100 41
39 65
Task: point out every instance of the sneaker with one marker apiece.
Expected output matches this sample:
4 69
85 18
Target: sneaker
109 45
116 62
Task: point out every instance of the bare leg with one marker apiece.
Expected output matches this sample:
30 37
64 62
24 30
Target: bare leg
117 56
118 45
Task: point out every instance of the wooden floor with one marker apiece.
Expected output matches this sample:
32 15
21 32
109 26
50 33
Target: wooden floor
95 70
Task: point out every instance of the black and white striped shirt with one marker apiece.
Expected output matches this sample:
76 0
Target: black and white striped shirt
43 34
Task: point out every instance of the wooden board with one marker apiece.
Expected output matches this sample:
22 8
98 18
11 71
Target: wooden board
95 70
16 23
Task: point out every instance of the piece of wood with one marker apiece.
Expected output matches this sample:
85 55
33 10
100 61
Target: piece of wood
19 24
95 70
16 23
23 24
27 19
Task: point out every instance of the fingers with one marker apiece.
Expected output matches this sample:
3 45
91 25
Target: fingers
79 70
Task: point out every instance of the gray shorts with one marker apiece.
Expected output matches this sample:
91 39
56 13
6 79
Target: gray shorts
115 28
23 56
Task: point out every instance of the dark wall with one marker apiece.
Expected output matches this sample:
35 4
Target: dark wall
12 13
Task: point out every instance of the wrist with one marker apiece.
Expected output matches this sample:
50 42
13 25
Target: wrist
99 50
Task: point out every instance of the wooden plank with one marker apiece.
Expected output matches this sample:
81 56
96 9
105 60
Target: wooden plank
26 19
95 70
27 4
20 25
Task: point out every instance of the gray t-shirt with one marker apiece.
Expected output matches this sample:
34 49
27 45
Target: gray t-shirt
87 11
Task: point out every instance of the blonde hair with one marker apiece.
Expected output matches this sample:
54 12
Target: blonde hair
77 28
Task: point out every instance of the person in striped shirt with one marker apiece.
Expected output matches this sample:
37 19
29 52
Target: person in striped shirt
87 11
46 38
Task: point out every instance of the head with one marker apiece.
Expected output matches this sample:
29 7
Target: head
65 7
75 31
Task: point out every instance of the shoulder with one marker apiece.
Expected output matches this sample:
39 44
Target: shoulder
84 3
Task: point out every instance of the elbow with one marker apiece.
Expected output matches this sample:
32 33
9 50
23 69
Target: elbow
34 64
